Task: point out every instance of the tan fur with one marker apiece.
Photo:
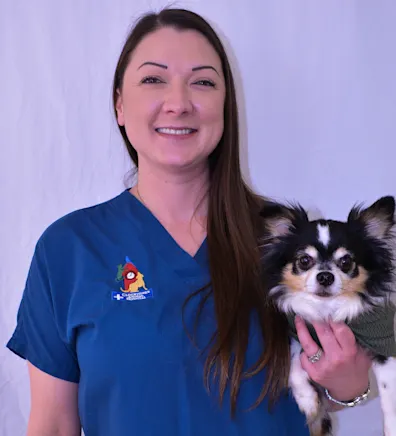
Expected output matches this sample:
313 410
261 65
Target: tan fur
352 286
296 283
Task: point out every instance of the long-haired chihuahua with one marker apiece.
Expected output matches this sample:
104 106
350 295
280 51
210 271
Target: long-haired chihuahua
344 271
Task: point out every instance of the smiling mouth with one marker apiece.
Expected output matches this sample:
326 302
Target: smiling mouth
174 131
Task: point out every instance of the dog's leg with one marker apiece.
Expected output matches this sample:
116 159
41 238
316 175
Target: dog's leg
322 426
385 372
304 393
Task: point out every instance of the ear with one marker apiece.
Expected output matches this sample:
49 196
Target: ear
280 220
378 219
120 109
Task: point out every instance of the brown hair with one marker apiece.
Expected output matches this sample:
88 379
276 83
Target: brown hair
233 231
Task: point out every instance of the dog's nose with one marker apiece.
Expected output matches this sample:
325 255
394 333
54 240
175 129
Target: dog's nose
325 278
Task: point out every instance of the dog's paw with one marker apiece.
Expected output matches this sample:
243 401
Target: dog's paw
322 426
385 372
309 404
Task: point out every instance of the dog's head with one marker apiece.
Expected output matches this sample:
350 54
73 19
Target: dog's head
328 268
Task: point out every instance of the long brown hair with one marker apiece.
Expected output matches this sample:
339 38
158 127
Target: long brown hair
233 232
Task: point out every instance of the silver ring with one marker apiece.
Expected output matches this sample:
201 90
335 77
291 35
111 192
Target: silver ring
316 357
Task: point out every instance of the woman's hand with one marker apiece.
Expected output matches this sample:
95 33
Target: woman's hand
343 367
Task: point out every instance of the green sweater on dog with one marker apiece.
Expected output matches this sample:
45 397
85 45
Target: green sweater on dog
374 330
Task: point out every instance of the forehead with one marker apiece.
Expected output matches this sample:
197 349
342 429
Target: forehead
175 47
325 236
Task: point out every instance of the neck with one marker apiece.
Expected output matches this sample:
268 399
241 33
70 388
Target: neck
174 198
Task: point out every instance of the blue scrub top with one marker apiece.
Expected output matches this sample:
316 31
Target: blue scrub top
102 307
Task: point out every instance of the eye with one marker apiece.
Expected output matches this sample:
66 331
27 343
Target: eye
305 262
151 80
205 82
345 263
130 275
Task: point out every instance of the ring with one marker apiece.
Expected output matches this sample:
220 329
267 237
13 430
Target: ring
316 357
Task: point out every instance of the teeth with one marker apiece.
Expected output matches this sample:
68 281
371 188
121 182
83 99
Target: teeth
175 131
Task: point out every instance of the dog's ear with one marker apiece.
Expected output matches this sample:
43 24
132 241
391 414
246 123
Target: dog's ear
280 220
378 219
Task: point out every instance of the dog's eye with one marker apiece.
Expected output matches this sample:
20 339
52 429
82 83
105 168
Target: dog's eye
345 263
305 262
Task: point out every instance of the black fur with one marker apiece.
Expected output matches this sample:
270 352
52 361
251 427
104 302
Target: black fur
373 254
380 359
365 235
327 426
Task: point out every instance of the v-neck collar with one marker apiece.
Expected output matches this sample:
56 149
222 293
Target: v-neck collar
161 240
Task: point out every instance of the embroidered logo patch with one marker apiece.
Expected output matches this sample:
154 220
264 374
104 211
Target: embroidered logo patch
134 286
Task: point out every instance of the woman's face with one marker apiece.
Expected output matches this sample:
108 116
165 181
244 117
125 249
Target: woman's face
172 99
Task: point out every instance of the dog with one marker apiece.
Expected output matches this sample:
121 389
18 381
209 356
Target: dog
132 277
339 270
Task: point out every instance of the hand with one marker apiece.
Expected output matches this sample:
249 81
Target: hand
343 367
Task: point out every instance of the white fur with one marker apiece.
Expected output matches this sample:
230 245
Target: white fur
386 379
340 252
312 308
312 251
339 308
323 234
304 393
312 285
307 398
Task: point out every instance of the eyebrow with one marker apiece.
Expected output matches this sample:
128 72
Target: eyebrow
205 67
201 67
153 63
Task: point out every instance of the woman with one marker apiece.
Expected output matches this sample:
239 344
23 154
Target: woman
122 333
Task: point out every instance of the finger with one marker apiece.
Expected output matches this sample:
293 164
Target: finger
327 338
344 336
309 346
310 367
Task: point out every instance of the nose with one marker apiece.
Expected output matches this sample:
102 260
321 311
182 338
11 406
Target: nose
178 99
325 278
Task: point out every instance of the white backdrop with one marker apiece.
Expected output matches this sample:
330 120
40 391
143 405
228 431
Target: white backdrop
317 90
